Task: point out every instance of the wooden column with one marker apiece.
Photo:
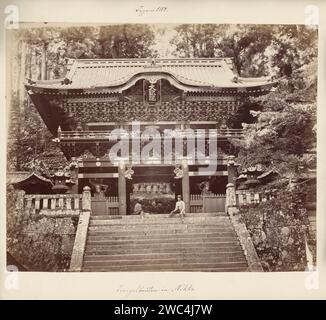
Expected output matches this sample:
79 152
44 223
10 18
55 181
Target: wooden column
186 186
122 189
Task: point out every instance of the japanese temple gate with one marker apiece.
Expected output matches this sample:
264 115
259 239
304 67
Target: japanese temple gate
96 97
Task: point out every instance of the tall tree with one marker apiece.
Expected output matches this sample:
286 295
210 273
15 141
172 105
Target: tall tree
198 40
126 41
40 53
244 43
285 127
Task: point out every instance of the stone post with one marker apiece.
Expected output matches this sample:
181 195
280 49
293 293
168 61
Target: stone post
74 175
230 201
185 186
86 199
20 199
232 170
78 251
122 189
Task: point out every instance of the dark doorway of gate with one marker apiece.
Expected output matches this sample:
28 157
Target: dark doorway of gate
155 188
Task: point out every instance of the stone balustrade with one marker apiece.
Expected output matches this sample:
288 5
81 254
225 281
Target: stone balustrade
247 197
52 201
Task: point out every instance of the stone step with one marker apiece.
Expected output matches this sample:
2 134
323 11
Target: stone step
175 261
156 249
175 239
151 256
165 247
158 224
163 221
201 242
157 231
223 266
176 269
159 228
152 236
159 235
169 242
154 216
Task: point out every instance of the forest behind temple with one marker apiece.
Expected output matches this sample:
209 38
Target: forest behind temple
282 132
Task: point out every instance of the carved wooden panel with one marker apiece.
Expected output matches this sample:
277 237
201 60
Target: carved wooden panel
137 111
169 92
134 93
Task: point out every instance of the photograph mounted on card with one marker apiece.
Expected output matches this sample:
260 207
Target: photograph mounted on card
183 155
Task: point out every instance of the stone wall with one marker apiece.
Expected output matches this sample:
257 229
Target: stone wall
278 228
38 242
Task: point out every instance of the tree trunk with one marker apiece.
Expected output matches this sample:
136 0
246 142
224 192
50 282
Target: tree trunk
43 61
15 60
113 46
29 62
22 75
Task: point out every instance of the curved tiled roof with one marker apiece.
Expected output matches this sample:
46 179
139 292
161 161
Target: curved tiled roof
30 176
117 73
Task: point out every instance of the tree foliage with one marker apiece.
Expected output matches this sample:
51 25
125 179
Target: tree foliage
283 130
30 144
284 120
284 133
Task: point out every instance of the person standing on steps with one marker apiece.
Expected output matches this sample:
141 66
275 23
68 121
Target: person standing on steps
180 207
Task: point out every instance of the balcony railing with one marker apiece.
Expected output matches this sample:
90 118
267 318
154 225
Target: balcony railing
107 135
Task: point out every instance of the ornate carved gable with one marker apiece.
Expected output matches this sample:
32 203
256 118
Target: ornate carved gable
152 90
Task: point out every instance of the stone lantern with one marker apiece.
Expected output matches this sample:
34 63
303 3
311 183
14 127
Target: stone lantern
59 178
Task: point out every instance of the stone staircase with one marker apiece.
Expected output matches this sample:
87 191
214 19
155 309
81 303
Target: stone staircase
202 242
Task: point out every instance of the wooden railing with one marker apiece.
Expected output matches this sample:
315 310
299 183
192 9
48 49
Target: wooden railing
52 201
231 133
196 197
108 205
106 135
113 206
113 199
202 202
196 203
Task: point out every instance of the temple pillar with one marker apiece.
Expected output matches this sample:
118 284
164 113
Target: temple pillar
122 189
186 186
